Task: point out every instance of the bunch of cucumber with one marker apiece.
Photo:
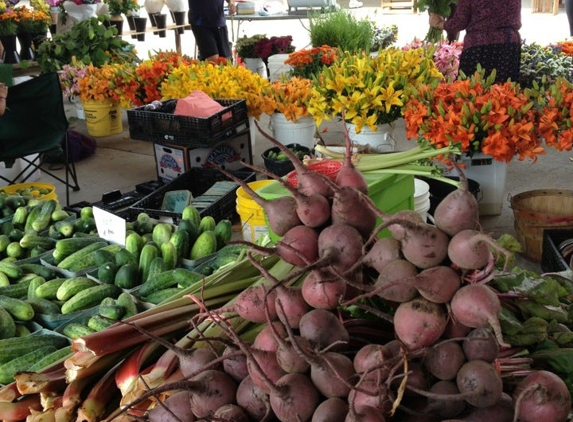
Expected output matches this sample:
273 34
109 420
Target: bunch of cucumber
281 156
23 236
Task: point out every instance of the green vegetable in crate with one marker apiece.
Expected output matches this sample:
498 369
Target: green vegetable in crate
156 267
106 272
14 250
73 286
162 295
34 284
89 260
90 297
51 359
30 240
207 223
134 243
124 256
43 306
191 213
17 290
78 256
102 256
59 214
7 324
127 302
127 276
161 233
206 244
19 309
148 254
65 228
39 270
68 246
12 270
223 232
180 239
188 226
161 281
49 289
114 311
20 215
23 363
15 347
86 213
169 254
4 242
4 280
22 331
98 323
76 330
44 218
16 234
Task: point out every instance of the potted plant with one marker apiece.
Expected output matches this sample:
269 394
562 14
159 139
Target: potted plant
370 92
383 36
309 62
8 30
286 102
115 9
89 42
339 28
245 48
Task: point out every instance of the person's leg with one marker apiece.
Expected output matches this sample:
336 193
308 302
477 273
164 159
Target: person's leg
223 44
569 12
206 43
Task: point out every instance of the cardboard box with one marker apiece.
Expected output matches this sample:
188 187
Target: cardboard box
228 154
171 160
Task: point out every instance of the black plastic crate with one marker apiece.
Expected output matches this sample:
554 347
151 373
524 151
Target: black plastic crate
198 181
162 126
551 258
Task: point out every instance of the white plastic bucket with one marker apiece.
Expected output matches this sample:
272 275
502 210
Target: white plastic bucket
421 198
287 132
256 66
277 66
379 141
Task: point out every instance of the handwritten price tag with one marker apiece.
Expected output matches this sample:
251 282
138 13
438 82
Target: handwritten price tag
109 226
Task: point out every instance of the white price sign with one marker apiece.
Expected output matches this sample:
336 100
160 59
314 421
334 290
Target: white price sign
109 226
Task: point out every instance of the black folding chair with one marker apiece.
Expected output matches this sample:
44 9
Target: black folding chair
35 124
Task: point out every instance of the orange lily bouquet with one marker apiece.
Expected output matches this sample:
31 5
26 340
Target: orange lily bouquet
499 120
289 97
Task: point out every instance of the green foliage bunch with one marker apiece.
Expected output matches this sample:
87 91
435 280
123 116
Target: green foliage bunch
89 41
339 28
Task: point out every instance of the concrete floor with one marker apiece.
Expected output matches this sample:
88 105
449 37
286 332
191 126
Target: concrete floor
121 163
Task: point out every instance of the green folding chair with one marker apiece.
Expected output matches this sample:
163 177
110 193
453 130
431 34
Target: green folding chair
35 124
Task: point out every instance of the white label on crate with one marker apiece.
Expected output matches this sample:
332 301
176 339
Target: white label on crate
247 232
260 231
109 226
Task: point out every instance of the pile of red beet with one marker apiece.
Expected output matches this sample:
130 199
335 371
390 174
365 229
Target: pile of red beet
303 366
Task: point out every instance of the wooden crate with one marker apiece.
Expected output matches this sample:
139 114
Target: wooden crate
399 4
545 6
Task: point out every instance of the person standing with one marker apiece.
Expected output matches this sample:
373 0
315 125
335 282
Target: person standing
492 36
569 13
209 26
3 97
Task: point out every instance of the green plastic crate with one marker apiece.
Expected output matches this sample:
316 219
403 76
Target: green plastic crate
390 192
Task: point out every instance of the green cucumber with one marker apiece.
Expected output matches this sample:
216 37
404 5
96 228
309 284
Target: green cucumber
90 297
74 285
23 363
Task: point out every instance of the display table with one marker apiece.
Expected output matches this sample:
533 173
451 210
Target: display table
239 19
167 28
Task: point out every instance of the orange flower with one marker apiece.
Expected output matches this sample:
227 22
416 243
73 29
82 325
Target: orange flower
479 116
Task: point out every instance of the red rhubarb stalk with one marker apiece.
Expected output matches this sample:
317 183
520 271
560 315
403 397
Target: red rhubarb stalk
93 408
20 409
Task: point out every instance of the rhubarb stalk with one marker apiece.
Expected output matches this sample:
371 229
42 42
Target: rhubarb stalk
20 409
93 408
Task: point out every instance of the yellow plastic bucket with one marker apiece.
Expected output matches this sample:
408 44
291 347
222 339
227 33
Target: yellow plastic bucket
36 189
252 216
103 118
